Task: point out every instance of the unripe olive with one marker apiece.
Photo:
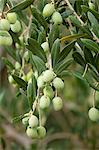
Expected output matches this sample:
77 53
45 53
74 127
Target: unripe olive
48 91
24 77
93 114
17 46
48 10
97 96
11 80
12 17
58 83
17 66
29 75
5 38
21 38
41 132
33 121
48 75
4 25
16 27
57 18
45 46
25 120
44 102
57 103
26 56
40 82
32 133
91 6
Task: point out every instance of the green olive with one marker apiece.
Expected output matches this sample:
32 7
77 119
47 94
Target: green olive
29 75
11 80
25 120
4 25
48 75
33 121
40 82
57 103
44 102
57 18
16 27
45 46
93 114
17 66
12 17
48 91
58 83
91 6
48 10
41 132
32 133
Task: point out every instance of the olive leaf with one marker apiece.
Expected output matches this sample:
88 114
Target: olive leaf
79 59
86 9
88 56
39 17
32 91
2 5
94 71
22 5
53 35
20 82
55 51
66 50
38 63
8 63
61 66
36 49
91 45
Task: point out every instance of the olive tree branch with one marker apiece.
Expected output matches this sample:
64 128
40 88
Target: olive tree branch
70 6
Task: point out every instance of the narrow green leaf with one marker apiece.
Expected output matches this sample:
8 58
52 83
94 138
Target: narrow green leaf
53 35
86 9
97 62
65 51
2 4
75 20
72 37
55 52
11 52
20 82
91 45
88 56
79 59
8 63
92 18
61 66
38 63
22 5
94 72
17 119
78 75
39 17
36 49
41 37
32 91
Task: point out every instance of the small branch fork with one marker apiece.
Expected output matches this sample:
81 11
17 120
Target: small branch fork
82 23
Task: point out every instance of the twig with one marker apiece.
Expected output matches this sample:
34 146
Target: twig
70 6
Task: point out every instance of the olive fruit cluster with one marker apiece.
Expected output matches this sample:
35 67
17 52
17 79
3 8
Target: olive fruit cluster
49 10
10 22
33 130
46 81
93 114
